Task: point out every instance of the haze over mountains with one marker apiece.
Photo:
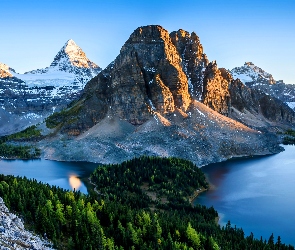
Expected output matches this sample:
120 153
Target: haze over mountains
30 97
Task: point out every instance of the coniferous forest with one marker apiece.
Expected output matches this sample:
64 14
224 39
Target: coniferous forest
10 149
143 203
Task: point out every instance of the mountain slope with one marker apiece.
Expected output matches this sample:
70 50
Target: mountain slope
256 78
28 98
141 104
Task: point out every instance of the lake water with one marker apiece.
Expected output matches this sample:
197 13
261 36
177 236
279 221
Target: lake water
66 175
256 194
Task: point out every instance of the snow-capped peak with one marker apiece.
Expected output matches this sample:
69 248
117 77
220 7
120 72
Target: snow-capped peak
70 64
249 73
72 55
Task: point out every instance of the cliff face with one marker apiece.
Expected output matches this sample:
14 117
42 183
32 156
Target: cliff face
265 110
145 78
159 73
216 90
194 61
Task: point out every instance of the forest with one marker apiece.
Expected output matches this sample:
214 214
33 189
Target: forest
289 138
10 149
139 204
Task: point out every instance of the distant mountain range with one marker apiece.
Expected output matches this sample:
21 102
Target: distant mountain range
160 96
256 78
30 97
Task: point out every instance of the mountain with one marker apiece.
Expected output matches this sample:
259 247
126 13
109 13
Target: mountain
256 78
249 73
30 97
161 96
5 71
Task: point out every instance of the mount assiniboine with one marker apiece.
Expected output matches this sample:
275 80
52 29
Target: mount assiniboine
161 96
28 98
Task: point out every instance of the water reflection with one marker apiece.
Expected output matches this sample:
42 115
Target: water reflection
75 182
66 175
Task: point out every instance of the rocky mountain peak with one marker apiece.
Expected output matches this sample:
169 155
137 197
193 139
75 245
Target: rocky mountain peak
5 71
72 55
250 73
150 33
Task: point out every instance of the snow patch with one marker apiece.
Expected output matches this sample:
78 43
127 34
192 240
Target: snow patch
291 104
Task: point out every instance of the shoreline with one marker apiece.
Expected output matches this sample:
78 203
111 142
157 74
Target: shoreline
196 194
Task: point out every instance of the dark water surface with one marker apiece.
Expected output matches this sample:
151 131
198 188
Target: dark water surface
66 175
256 194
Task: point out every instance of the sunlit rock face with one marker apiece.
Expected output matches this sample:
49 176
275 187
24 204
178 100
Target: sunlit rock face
157 73
4 71
146 77
194 61
216 90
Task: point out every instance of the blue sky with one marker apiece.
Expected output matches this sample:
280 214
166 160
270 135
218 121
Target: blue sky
232 32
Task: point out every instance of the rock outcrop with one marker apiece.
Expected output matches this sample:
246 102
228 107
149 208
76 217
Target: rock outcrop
216 90
13 234
146 77
4 71
194 61
257 109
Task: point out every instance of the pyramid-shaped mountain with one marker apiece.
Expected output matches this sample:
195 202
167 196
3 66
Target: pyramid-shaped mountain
28 98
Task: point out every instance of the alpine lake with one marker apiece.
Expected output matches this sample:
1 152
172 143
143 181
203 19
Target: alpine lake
256 194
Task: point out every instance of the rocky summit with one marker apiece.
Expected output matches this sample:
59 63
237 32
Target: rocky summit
26 99
158 72
161 96
256 78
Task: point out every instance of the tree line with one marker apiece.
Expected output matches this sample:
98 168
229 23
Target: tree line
9 147
120 214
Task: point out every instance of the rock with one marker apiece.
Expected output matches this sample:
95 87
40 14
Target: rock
12 233
194 61
256 78
216 90
160 96
264 108
146 76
